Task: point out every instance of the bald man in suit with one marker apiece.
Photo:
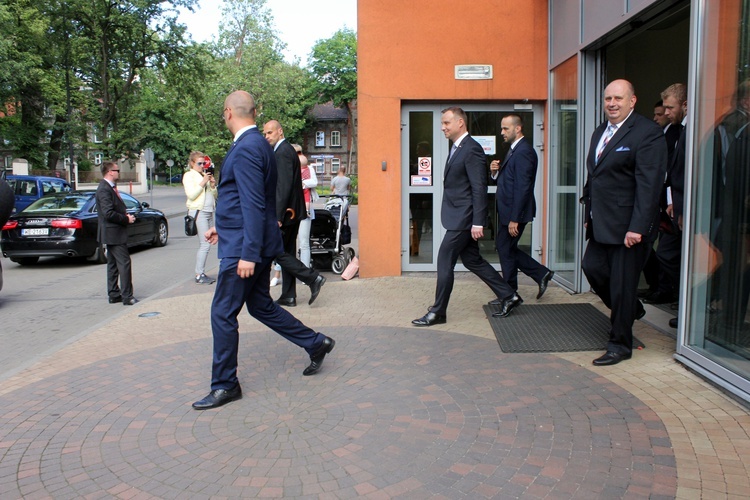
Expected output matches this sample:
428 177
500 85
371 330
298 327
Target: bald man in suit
626 167
249 239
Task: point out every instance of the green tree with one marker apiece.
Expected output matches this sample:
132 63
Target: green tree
334 66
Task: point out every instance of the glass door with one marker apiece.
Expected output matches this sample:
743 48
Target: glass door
425 150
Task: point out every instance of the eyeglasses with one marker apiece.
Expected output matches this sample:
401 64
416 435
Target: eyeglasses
200 162
113 170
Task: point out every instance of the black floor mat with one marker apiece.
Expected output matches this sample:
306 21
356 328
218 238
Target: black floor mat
552 328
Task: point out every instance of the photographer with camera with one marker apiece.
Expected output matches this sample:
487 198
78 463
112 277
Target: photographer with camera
200 189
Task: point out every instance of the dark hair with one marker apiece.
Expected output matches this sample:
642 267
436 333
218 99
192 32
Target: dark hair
517 120
107 166
457 112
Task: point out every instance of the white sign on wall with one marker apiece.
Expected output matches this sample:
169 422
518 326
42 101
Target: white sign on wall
487 142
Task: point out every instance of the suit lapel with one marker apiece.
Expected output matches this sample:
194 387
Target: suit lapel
621 132
452 159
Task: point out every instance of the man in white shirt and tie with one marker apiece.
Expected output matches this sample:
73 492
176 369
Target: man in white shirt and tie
463 214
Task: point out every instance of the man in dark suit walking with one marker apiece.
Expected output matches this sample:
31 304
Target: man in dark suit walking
463 215
290 210
516 206
113 232
626 166
249 238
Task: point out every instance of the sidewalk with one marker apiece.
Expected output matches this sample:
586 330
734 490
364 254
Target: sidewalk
395 412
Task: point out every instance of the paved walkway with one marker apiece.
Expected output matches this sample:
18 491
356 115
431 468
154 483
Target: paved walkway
396 412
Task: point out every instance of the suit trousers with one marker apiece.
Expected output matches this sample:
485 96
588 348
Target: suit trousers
118 267
669 253
457 244
291 267
613 272
512 259
233 292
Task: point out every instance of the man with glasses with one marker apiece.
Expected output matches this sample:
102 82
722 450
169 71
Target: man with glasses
113 232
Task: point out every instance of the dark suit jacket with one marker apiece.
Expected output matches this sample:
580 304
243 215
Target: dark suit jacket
112 214
515 185
289 188
676 176
246 217
622 191
465 188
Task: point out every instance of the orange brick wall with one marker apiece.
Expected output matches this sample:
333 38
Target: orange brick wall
407 51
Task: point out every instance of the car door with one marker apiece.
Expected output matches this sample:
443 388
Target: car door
141 230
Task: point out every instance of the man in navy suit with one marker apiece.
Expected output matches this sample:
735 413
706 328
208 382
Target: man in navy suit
112 231
463 215
249 238
516 206
626 166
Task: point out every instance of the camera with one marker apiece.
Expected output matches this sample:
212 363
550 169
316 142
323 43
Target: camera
208 166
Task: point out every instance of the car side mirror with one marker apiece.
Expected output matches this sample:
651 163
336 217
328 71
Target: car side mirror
145 204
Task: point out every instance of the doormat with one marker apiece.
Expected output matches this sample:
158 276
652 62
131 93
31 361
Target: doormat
552 328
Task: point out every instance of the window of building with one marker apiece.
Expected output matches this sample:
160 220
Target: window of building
98 158
717 186
320 139
336 138
320 167
335 165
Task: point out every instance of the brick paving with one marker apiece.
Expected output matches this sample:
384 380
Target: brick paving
396 412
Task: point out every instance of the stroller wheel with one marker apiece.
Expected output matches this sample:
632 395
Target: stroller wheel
350 254
338 264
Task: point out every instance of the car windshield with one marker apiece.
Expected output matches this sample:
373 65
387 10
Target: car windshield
59 204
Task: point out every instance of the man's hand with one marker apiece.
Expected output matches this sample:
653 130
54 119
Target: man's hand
494 167
632 238
245 269
477 232
211 236
670 211
513 228
131 219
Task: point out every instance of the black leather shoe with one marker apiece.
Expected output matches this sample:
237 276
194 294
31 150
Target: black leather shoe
115 300
509 304
218 398
658 298
543 284
287 302
610 358
641 311
673 322
316 360
430 319
315 287
495 302
129 301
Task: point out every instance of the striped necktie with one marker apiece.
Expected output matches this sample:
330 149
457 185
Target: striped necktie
611 129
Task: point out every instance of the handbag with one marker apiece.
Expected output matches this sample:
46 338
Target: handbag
191 228
345 237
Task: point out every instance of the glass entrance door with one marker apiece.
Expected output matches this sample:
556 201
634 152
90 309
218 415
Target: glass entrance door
425 151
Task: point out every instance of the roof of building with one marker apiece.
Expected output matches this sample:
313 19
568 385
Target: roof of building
328 112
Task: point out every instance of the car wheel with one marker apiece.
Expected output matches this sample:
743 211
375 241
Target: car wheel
338 264
25 261
100 255
162 233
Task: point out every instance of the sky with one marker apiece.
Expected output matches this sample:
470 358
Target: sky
299 23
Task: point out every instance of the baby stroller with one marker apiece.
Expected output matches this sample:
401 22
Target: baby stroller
329 232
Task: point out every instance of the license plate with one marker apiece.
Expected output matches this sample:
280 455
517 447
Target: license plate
39 231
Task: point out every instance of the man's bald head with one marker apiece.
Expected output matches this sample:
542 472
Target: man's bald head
239 110
273 132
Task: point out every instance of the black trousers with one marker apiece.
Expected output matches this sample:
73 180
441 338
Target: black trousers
291 267
457 244
669 253
613 272
119 267
512 259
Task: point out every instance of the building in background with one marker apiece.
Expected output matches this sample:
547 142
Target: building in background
330 142
549 61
